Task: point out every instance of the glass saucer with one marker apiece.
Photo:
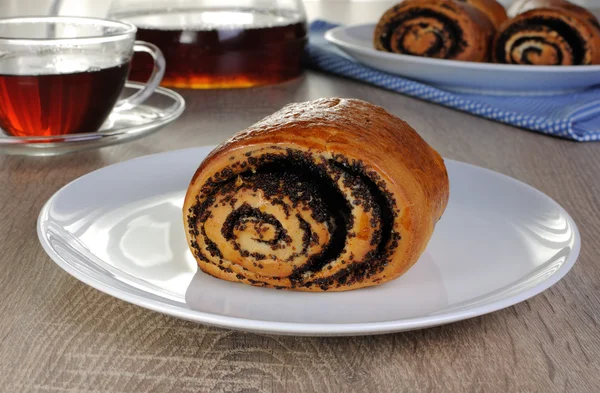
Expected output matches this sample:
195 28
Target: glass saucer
163 107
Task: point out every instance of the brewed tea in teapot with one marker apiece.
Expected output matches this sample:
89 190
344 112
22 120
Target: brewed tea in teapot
218 44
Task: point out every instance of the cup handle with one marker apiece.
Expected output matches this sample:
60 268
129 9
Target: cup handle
155 79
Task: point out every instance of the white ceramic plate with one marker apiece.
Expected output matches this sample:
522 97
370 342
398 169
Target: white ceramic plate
120 230
463 76
161 108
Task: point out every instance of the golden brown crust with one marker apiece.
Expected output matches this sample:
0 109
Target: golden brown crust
345 131
492 9
532 37
521 6
444 29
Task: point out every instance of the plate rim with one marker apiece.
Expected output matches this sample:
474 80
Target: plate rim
313 329
332 36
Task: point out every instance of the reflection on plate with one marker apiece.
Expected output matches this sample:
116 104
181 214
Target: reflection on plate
463 76
163 107
498 243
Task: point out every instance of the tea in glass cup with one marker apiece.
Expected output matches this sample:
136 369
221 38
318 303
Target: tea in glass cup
64 75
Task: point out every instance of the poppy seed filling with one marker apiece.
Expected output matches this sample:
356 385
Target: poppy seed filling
295 180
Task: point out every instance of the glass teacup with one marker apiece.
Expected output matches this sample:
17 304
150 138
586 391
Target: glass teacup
64 75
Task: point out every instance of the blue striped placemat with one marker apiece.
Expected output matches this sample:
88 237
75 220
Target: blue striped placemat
573 116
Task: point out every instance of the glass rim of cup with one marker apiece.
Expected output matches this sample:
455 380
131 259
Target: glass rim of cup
129 29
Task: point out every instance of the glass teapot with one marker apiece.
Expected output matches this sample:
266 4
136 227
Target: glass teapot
218 43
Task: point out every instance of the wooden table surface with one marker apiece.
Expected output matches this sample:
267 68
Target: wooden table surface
59 335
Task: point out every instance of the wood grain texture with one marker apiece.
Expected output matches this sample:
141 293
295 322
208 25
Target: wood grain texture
58 335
